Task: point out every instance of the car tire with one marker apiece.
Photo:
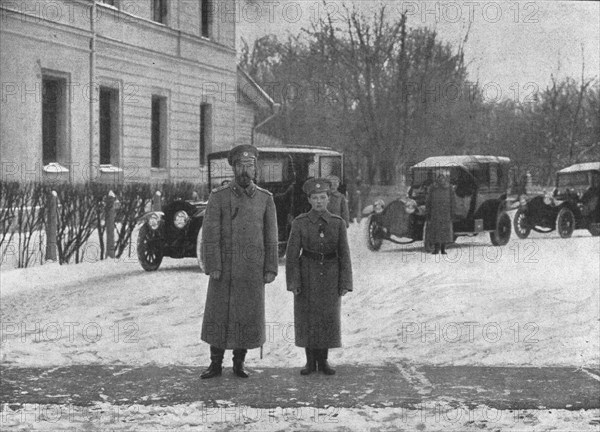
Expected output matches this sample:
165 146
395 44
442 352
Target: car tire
149 259
199 255
522 227
565 222
501 235
594 229
373 241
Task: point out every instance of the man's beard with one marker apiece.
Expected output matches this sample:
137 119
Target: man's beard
244 180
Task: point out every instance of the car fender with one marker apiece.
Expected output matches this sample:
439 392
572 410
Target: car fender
144 219
199 214
368 210
571 206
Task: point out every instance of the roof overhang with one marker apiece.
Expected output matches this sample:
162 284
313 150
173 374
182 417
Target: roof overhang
254 92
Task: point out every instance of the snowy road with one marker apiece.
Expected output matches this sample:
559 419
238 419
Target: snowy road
493 319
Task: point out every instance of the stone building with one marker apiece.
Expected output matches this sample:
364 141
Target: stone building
120 90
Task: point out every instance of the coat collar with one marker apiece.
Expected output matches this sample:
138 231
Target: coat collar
238 190
314 216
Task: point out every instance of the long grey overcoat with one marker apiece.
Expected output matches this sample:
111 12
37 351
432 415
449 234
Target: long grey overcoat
239 238
338 205
440 207
317 308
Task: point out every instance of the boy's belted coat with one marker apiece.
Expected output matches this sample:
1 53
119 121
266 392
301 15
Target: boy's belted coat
239 238
317 308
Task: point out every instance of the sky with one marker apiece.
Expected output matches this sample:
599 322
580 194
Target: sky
513 47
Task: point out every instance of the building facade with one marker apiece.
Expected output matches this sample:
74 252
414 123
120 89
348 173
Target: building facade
119 90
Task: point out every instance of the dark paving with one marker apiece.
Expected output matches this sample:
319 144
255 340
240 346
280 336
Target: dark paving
266 388
512 388
516 387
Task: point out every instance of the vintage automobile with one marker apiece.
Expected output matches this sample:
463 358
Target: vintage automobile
574 204
172 232
480 184
283 171
176 231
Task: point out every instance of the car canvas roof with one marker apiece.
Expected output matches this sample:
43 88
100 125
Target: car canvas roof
464 161
307 150
587 166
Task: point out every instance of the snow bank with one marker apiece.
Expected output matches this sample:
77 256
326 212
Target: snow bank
533 302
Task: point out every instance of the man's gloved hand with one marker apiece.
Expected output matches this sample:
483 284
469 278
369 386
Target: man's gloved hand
269 277
216 275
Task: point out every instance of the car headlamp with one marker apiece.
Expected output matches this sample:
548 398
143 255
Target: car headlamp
522 201
181 219
154 221
410 206
378 206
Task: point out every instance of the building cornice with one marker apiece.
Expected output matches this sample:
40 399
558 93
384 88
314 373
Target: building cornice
10 13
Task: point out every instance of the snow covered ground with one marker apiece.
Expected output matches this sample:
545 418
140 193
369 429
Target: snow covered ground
534 302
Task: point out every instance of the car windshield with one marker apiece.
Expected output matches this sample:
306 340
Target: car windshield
572 179
424 176
220 172
280 168
275 168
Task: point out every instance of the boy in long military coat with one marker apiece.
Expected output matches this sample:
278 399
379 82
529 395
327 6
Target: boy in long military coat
319 273
239 241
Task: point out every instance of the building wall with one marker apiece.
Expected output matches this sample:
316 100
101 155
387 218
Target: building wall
245 121
134 55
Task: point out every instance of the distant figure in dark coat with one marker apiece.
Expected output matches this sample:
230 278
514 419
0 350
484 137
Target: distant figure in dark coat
440 207
338 205
319 273
239 243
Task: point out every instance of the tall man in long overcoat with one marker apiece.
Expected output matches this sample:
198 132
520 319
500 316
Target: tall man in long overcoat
319 273
239 241
440 212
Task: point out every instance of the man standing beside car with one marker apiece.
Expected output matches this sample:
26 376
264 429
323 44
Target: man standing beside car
440 212
338 205
239 241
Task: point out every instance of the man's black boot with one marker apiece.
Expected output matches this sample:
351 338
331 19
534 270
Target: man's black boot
216 363
322 363
239 355
311 363
436 249
443 248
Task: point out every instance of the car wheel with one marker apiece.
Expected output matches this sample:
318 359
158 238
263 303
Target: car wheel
522 227
594 229
148 255
565 222
501 235
199 256
374 241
